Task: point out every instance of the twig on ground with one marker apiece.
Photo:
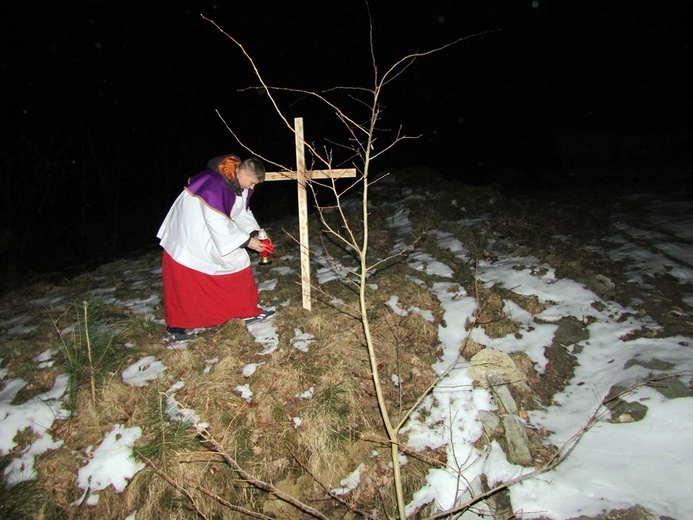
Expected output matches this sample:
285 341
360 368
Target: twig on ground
332 495
233 507
255 482
175 484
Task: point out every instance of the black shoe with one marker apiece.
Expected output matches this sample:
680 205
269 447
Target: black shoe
177 334
262 316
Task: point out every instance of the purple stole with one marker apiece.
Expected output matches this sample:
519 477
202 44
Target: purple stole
211 187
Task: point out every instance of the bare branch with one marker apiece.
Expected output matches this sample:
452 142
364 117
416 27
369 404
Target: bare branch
406 450
405 61
338 112
281 167
255 482
175 484
401 254
397 139
232 507
332 495
255 70
428 390
363 141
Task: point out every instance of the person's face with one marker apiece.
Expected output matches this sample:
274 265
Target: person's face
245 181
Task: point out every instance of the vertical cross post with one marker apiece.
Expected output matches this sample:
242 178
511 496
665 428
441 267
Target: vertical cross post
302 212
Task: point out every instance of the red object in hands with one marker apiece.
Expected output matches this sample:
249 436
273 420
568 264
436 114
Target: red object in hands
268 248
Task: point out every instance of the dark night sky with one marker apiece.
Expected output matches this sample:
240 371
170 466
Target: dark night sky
134 85
548 68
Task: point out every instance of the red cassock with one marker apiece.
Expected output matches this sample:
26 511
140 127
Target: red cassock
194 299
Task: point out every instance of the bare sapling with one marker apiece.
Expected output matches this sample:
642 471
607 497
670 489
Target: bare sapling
355 235
92 384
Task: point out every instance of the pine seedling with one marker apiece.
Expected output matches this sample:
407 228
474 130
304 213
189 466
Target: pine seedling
88 350
166 435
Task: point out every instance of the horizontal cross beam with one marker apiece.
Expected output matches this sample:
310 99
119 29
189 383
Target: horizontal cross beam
311 174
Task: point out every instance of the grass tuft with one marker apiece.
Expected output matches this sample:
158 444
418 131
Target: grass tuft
87 349
332 401
25 500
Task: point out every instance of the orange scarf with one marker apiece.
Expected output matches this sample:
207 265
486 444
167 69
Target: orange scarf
228 167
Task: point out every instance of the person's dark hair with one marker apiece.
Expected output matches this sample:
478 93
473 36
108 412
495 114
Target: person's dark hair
254 167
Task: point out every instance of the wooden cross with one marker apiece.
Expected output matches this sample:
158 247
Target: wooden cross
301 175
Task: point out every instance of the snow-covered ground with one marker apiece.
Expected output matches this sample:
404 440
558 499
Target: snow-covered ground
615 465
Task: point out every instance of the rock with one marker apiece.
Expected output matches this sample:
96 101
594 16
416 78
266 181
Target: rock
499 503
571 331
628 411
602 286
491 424
517 441
494 360
470 348
634 513
501 392
670 387
621 410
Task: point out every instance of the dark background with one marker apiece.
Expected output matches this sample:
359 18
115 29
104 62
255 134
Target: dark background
109 106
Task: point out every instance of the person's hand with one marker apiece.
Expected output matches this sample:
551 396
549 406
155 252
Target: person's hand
268 245
256 245
260 246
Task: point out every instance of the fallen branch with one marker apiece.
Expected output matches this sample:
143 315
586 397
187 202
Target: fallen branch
332 495
406 450
174 484
255 482
233 507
